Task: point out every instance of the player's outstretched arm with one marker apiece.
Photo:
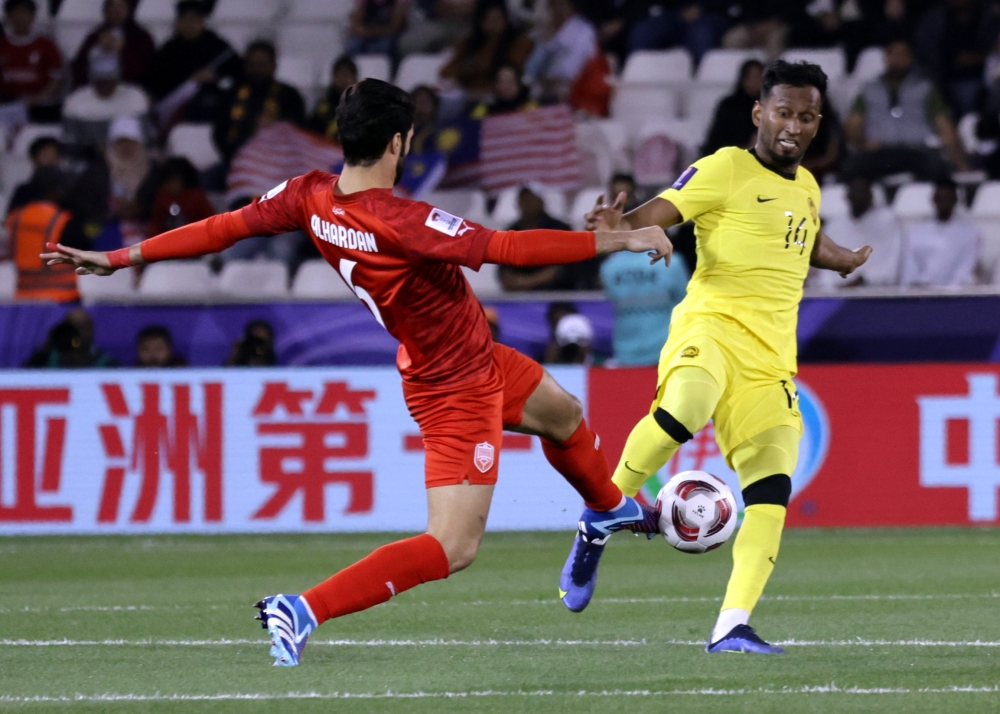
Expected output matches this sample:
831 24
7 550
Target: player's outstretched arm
651 240
655 212
829 256
191 241
539 247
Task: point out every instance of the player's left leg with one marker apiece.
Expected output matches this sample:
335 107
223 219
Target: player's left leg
764 464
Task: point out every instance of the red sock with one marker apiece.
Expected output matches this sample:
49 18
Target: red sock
388 571
581 461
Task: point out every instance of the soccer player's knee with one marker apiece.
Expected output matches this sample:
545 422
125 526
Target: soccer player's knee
461 553
775 490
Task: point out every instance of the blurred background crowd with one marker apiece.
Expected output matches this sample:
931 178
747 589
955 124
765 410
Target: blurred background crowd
119 121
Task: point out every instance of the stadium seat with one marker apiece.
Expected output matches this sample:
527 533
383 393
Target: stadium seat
870 65
374 67
702 101
582 204
319 10
156 12
298 71
254 279
633 104
194 142
117 287
604 149
321 42
8 281
317 280
189 279
657 67
831 60
87 12
29 132
834 202
256 12
467 203
723 66
14 170
486 282
689 133
416 69
987 201
70 35
240 34
913 201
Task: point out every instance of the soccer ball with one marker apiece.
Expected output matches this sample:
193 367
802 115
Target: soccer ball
697 511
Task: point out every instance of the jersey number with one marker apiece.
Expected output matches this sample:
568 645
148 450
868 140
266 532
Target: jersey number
346 270
800 236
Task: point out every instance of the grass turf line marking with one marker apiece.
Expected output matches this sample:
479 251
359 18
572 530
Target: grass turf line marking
770 598
831 688
858 642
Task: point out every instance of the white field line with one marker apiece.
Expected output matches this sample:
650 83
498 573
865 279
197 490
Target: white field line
857 642
831 688
553 601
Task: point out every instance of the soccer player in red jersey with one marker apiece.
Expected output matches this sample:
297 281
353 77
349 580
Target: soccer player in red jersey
402 259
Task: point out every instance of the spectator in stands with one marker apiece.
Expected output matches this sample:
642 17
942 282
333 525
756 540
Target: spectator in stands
952 41
106 97
376 26
31 66
988 125
154 348
134 44
895 118
533 215
179 199
757 24
866 225
510 94
258 101
562 51
190 71
623 183
494 43
661 25
733 123
642 297
71 344
43 220
324 118
433 25
44 151
572 336
876 23
944 251
255 348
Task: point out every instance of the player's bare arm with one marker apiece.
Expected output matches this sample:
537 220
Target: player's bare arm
827 255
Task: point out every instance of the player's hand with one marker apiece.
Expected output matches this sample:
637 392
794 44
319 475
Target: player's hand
604 217
86 262
859 257
651 240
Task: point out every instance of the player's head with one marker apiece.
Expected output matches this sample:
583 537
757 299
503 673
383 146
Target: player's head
787 114
375 122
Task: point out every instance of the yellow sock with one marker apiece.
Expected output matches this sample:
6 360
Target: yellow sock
754 553
648 448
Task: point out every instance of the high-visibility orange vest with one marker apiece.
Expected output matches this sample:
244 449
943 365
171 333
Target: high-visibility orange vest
28 230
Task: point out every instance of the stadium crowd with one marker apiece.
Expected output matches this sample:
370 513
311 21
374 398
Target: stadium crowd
112 124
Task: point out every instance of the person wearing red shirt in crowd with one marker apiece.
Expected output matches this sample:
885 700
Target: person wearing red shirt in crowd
30 65
404 260
135 45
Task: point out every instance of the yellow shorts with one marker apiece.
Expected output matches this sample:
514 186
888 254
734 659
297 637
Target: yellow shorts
756 394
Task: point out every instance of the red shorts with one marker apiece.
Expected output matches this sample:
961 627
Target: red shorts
462 427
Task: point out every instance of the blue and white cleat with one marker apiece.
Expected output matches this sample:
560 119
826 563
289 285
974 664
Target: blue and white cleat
742 639
579 574
289 620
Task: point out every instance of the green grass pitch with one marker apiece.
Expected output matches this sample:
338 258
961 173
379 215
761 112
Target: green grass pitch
875 620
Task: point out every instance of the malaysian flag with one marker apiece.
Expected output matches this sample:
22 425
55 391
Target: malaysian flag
535 145
275 154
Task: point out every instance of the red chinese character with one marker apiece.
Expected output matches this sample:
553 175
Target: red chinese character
157 438
303 468
27 484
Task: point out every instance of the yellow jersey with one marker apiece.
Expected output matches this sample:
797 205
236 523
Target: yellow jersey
755 229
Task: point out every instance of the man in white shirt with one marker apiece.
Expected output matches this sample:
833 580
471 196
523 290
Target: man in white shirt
942 252
560 56
106 98
866 225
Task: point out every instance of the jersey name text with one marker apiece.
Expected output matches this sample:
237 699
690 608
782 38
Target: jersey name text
342 237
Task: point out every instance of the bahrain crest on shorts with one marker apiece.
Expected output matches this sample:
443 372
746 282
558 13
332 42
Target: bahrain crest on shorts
483 457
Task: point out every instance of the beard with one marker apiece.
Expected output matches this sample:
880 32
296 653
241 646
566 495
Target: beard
400 166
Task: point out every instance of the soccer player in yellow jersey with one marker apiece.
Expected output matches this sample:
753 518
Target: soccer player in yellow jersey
731 352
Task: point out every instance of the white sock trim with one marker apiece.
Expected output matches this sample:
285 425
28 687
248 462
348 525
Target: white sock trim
728 619
315 622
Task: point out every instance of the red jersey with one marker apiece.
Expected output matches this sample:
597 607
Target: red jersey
27 65
403 259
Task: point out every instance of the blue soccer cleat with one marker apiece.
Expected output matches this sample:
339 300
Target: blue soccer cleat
743 639
289 620
579 574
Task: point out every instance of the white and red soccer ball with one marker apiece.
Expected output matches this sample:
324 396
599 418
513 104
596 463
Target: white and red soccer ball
697 511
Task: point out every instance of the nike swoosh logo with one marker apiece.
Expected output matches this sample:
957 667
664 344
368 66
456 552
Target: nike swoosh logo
562 593
632 469
765 200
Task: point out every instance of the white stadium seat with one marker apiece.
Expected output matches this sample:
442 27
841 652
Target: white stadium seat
337 12
14 170
254 279
177 279
317 280
256 12
117 287
657 67
913 203
723 66
8 281
832 60
322 42
486 282
633 104
702 101
987 201
29 132
582 205
870 65
604 149
87 12
465 203
419 69
70 35
194 142
300 72
151 12
834 202
373 66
